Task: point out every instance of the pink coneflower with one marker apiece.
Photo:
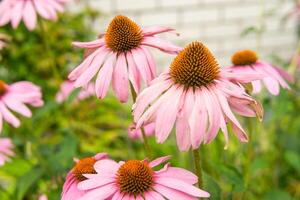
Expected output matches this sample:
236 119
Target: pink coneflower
120 55
136 179
82 167
16 10
6 152
67 87
196 95
247 62
14 97
135 133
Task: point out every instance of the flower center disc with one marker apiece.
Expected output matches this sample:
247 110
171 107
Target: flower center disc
123 34
84 166
3 87
135 177
244 57
194 66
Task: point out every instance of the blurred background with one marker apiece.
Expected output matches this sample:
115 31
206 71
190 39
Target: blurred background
267 168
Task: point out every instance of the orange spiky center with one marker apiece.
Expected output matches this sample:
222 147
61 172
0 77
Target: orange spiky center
194 66
84 166
135 177
123 34
3 87
244 57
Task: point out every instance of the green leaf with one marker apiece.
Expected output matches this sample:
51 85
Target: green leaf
277 194
232 176
293 159
212 186
26 181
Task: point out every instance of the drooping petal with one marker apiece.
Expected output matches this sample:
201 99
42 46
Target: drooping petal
29 15
158 161
161 44
142 64
153 30
92 44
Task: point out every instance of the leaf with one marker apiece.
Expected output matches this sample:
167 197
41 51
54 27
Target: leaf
293 159
276 194
26 181
232 176
212 186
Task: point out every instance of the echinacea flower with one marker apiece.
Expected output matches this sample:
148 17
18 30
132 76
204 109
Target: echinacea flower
27 10
135 133
137 180
14 97
67 87
6 152
196 95
247 62
77 174
120 55
3 39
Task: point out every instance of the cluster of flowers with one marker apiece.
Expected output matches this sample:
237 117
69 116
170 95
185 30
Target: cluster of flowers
194 94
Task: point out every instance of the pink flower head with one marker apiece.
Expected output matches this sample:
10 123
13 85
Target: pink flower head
137 180
14 97
76 175
196 95
135 133
27 10
120 55
67 87
246 64
6 146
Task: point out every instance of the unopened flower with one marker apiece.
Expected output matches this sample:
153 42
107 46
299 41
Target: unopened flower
136 179
120 55
27 10
196 95
14 97
246 64
81 169
6 152
67 87
135 133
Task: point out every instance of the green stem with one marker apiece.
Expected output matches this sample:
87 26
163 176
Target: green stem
197 162
145 139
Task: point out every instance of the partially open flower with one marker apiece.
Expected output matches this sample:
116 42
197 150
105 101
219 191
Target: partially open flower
135 133
247 68
14 97
196 95
136 179
82 167
67 87
120 55
6 152
27 10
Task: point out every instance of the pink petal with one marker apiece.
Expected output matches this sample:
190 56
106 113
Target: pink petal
182 186
152 195
41 9
92 44
142 64
92 70
256 85
151 62
158 161
117 196
120 79
272 85
17 106
161 44
8 116
133 73
103 192
284 74
104 77
17 13
29 15
166 115
5 16
106 167
170 193
147 96
94 182
153 30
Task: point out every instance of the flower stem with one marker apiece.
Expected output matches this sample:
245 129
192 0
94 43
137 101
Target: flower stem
145 139
197 162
